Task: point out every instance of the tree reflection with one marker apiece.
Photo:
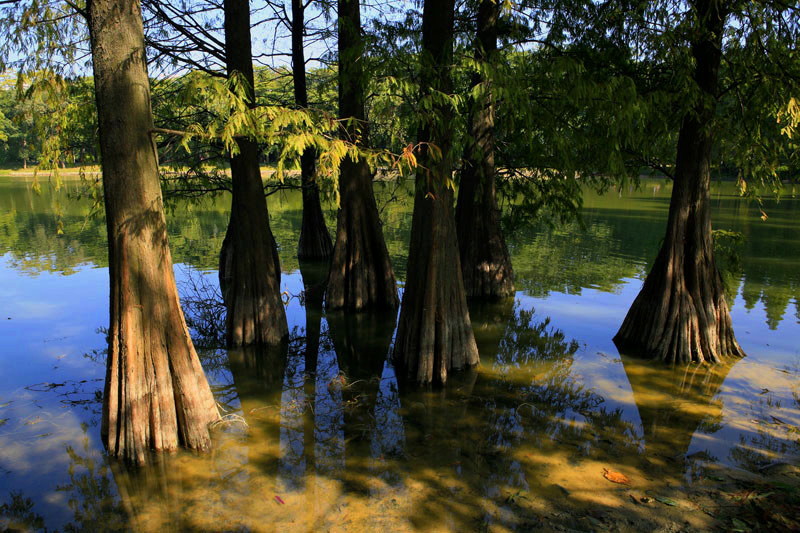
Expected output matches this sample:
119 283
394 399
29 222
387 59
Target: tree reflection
529 400
618 235
387 436
297 432
674 404
373 426
258 375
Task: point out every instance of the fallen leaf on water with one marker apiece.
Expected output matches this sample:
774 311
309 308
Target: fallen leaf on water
279 499
616 477
3 421
666 501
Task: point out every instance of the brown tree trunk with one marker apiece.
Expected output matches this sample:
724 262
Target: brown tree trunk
315 242
249 270
681 315
156 394
361 274
485 263
434 335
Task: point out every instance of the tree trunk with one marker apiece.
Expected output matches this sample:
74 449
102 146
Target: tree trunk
156 394
361 274
434 335
485 263
315 242
681 315
249 269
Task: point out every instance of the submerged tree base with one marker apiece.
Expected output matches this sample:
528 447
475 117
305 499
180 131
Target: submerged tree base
681 315
361 274
434 335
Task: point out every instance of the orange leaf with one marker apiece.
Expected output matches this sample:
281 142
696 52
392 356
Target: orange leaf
615 477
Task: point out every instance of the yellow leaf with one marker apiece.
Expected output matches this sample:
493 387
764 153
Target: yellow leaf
616 477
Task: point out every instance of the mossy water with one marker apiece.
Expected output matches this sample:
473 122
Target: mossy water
321 435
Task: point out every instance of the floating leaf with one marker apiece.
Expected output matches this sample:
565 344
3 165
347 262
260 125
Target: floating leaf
279 500
666 501
3 421
616 477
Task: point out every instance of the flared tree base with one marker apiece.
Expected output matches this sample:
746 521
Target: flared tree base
680 316
361 275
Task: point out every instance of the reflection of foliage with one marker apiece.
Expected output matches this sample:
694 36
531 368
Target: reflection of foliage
569 258
728 248
531 375
18 514
203 308
618 236
527 341
93 501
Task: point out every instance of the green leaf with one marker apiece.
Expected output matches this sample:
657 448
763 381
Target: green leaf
666 501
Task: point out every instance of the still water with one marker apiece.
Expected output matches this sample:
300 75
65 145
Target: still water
320 435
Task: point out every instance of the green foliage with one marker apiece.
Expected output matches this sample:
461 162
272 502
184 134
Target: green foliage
586 93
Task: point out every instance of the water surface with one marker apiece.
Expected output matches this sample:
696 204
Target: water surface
320 434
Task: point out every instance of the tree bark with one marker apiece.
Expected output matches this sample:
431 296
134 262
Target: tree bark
434 335
156 394
361 274
681 315
485 263
249 269
315 242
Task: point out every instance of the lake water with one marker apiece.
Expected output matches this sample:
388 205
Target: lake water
321 436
